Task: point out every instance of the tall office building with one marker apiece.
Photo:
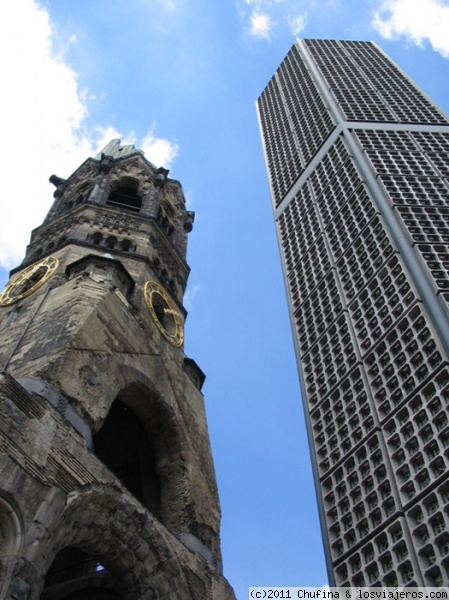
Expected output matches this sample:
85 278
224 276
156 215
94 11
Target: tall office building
358 165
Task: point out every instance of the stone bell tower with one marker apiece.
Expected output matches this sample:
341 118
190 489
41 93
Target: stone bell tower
107 486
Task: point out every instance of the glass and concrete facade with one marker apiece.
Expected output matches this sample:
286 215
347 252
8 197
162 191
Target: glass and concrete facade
358 164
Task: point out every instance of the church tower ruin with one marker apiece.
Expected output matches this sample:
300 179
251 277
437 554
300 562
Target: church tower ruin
107 486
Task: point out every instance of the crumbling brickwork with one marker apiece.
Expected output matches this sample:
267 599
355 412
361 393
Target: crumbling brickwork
107 485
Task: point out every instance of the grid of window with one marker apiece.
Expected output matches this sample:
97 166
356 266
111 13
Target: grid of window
410 167
428 225
329 360
382 301
418 438
407 103
436 147
317 313
309 272
394 153
358 496
387 560
421 191
404 358
368 87
409 175
324 176
298 227
295 122
342 421
429 524
309 117
354 94
364 256
374 372
283 160
436 258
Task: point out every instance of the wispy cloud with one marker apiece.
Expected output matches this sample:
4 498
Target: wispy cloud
419 21
298 24
260 25
190 294
40 118
43 123
263 17
158 150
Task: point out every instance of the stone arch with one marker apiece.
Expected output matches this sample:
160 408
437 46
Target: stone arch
82 192
125 538
123 444
125 193
168 442
11 541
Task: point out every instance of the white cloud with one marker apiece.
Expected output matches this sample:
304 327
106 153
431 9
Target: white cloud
419 21
260 25
188 195
39 119
160 152
190 294
42 120
298 24
263 17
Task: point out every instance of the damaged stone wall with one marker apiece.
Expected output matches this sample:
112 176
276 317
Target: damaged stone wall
84 339
64 496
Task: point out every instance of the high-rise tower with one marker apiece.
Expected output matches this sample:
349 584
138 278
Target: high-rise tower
357 159
107 486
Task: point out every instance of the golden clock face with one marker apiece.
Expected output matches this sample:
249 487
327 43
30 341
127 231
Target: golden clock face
28 281
164 313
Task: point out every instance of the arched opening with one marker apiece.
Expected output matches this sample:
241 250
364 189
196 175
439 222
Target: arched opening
123 445
126 195
125 245
99 528
97 237
76 575
111 241
166 218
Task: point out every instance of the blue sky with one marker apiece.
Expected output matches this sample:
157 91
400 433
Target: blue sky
179 78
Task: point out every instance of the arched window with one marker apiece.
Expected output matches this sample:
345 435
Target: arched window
166 218
111 241
76 575
126 195
123 445
97 237
125 245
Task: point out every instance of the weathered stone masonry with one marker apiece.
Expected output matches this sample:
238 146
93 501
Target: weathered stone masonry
107 486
